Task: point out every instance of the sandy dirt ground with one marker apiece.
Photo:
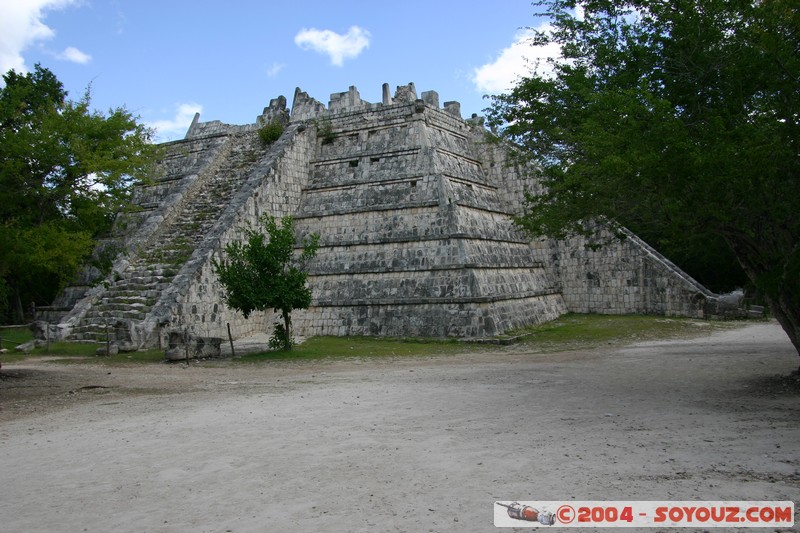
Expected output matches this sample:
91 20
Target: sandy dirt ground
414 444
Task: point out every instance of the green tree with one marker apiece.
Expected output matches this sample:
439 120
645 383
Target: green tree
65 171
264 273
677 115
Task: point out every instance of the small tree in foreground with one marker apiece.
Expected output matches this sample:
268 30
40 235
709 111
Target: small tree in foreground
264 273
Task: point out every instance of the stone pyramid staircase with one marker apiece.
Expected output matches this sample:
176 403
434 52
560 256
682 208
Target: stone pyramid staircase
414 207
133 292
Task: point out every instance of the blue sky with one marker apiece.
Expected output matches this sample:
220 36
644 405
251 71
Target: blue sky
166 60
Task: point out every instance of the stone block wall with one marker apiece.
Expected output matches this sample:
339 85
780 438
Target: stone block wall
626 277
414 238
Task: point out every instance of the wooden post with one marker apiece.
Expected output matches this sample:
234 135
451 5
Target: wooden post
230 339
186 344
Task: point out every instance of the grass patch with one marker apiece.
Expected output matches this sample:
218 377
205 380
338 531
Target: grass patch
67 349
86 353
579 331
13 337
88 356
359 347
569 332
141 357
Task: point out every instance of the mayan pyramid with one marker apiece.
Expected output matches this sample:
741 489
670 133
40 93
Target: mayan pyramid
413 205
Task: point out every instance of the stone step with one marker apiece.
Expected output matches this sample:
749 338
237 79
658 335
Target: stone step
111 305
95 336
137 283
112 314
148 267
148 270
131 298
140 294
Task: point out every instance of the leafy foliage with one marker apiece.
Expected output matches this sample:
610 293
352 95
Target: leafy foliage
263 273
270 133
679 117
279 337
325 130
65 171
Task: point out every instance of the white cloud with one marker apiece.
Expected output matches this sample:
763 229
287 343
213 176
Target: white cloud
517 60
21 26
176 127
275 69
337 47
74 55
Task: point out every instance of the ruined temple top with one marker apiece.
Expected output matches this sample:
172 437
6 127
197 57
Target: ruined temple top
305 107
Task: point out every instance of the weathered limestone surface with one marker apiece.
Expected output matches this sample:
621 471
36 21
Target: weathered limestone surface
416 240
413 208
627 277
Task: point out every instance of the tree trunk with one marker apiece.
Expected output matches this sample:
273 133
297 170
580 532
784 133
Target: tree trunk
787 315
287 324
761 261
19 312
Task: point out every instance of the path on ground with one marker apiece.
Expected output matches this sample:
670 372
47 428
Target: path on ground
413 444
